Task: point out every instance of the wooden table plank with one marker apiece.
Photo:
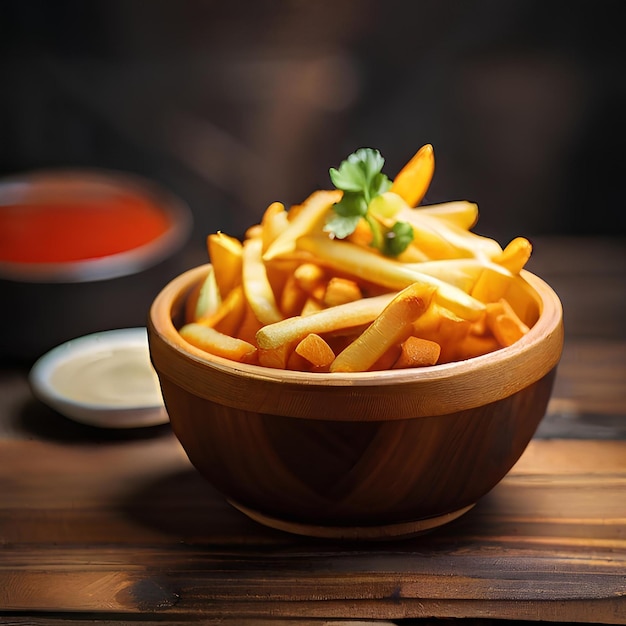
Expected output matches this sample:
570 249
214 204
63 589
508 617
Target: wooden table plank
129 527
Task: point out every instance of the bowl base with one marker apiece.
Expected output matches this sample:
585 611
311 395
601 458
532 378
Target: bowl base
400 530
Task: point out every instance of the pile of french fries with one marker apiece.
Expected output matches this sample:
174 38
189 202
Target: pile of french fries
291 296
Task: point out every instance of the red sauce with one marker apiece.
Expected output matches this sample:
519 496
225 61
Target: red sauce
75 231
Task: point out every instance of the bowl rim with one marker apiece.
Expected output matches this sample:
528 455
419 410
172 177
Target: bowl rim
17 187
433 390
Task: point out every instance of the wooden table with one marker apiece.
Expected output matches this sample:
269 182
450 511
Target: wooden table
117 527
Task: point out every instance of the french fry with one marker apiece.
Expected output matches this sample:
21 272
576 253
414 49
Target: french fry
340 291
444 240
292 297
250 325
273 223
229 314
387 359
462 273
339 317
309 276
413 254
315 350
254 232
256 284
368 265
515 255
459 212
362 234
219 344
310 216
298 363
413 180
442 326
492 283
389 328
428 240
417 352
225 253
475 345
504 323
312 305
275 357
205 298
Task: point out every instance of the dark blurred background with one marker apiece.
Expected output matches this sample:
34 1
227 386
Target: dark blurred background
235 104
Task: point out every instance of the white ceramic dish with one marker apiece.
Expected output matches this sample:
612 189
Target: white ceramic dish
103 379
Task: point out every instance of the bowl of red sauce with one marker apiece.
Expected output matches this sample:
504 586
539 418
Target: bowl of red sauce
82 251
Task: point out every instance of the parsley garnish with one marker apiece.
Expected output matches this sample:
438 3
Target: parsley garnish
361 179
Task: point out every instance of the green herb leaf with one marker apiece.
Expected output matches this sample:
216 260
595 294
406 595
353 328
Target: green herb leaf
342 225
397 239
361 179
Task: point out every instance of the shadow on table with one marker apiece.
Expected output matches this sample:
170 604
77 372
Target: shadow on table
186 507
35 420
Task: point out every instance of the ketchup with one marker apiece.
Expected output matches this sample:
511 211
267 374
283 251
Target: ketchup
77 230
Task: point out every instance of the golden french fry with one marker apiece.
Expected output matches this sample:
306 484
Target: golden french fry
504 323
315 350
413 254
340 291
250 325
256 284
309 276
515 255
459 212
229 315
389 328
273 223
492 283
362 234
219 344
205 298
429 325
475 345
299 363
312 305
278 273
428 240
225 253
442 326
417 352
275 357
386 360
254 232
309 218
506 330
343 316
292 297
442 239
367 265
413 180
462 273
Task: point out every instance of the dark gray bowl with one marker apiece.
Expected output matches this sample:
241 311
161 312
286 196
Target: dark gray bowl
43 305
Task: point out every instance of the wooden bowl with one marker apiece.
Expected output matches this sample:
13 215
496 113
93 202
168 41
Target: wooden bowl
365 455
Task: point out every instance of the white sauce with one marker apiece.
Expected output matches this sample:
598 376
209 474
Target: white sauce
118 377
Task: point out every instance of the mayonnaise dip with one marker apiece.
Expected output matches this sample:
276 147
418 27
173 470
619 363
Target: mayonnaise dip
121 376
105 379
